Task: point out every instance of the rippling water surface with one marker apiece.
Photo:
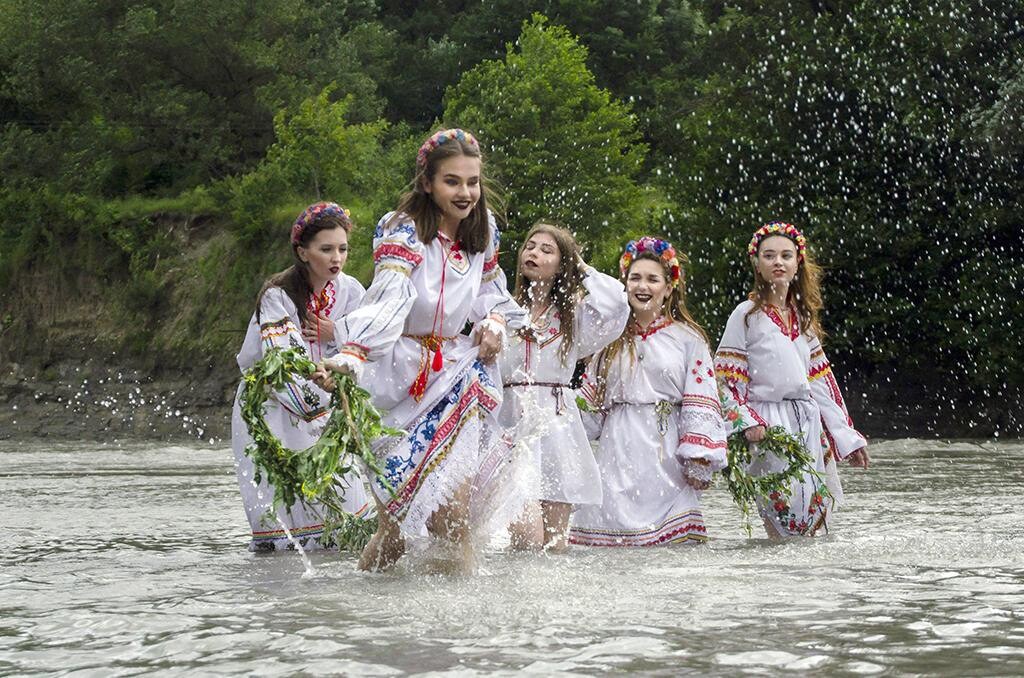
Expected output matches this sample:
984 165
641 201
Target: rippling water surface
129 559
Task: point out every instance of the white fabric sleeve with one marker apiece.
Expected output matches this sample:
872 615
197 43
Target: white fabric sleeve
494 297
354 294
701 430
278 328
373 328
602 314
732 375
836 421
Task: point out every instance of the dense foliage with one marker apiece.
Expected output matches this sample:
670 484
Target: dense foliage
166 144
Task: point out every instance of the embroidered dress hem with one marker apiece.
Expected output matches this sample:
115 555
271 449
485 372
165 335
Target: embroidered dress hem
686 527
308 536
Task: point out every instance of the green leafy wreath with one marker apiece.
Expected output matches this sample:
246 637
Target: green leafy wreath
310 475
746 489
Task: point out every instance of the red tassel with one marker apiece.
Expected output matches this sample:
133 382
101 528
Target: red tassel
438 360
419 385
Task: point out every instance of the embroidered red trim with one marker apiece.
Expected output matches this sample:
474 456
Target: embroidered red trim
794 321
659 324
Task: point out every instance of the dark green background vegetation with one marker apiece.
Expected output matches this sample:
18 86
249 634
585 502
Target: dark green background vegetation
153 154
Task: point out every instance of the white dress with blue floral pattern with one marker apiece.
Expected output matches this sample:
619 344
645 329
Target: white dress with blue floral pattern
422 298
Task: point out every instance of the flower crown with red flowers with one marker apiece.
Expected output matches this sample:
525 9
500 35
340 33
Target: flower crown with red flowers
317 209
778 228
663 249
441 138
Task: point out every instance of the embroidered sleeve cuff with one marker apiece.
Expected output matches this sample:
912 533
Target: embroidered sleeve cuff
357 351
699 448
348 363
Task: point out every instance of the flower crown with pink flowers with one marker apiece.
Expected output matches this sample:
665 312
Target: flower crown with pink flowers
318 209
441 138
663 249
778 228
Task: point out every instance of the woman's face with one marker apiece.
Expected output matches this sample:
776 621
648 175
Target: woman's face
455 188
647 286
777 260
325 255
540 260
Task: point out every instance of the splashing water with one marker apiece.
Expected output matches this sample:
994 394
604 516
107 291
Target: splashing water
306 562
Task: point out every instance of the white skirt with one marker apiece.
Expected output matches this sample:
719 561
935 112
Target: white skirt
547 422
646 501
806 509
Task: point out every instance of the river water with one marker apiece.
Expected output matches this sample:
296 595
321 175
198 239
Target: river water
130 559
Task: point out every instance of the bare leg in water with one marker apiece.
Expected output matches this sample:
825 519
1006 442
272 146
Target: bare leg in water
385 547
450 524
527 532
556 525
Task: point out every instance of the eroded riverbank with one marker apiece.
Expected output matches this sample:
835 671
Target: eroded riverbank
92 399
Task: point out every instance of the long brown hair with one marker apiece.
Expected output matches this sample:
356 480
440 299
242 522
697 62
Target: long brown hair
416 203
567 287
294 280
804 292
674 307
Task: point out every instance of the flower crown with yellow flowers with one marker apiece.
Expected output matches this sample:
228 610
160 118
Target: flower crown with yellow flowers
663 249
441 138
778 228
317 209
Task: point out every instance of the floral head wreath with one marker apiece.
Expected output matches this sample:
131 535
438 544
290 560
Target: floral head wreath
778 228
441 138
318 209
663 249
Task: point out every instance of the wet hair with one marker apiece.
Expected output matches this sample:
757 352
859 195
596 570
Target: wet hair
416 203
567 287
674 307
804 292
294 280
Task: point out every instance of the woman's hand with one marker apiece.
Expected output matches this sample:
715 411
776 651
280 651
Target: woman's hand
697 473
335 365
489 340
324 378
754 434
859 458
318 327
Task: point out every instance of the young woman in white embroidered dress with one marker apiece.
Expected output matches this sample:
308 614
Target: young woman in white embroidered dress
772 371
300 307
436 270
660 420
574 312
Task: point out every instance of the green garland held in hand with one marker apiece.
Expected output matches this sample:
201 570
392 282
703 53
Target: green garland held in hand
746 489
310 475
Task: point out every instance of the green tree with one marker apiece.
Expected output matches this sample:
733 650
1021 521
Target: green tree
562 147
318 155
159 96
870 127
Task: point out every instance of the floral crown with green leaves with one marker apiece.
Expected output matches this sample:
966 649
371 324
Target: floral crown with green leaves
661 248
440 139
778 228
318 209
